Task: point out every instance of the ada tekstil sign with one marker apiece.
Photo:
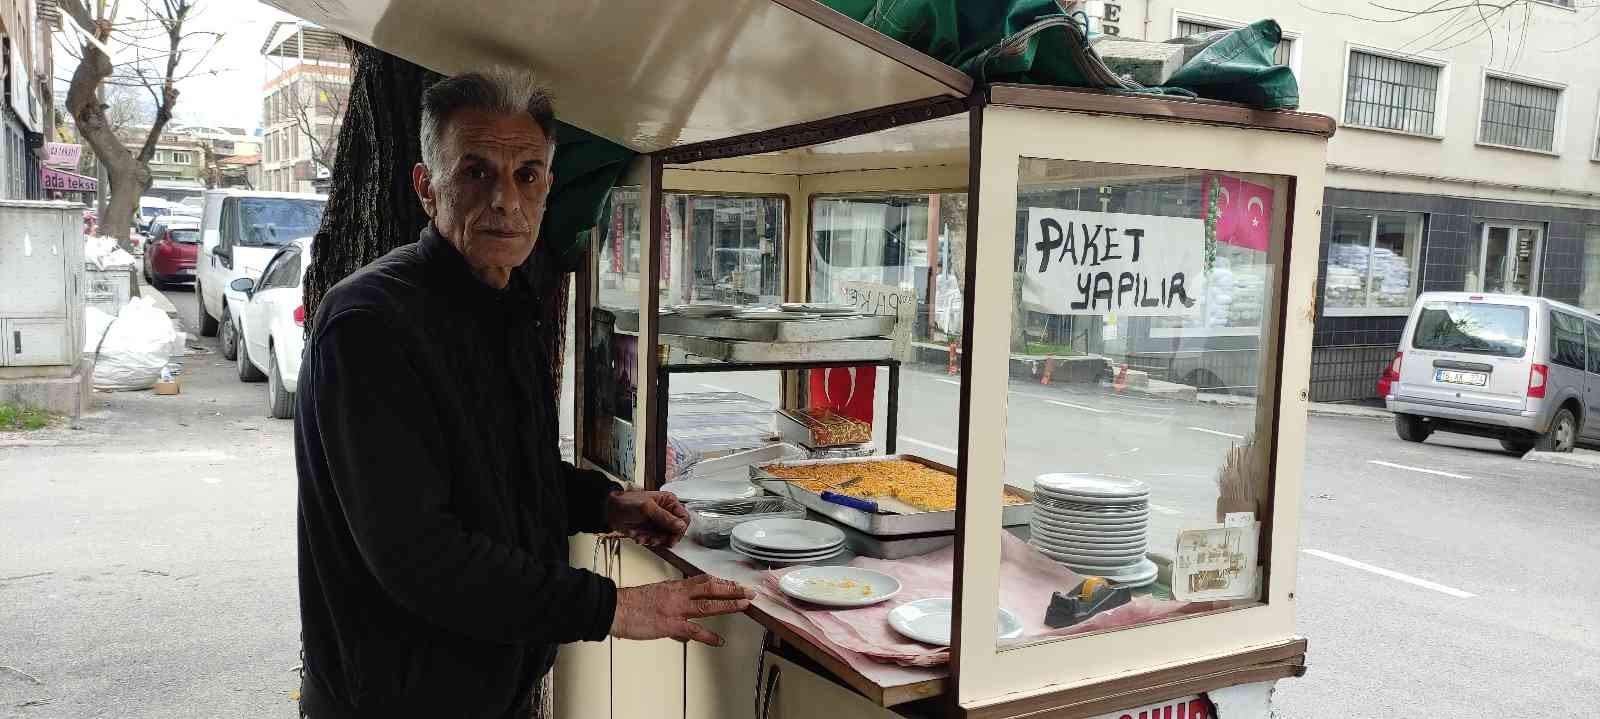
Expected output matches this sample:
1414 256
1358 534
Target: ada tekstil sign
1095 263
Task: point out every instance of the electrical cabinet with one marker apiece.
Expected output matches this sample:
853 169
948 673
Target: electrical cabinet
41 284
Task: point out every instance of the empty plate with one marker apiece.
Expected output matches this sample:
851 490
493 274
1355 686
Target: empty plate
1135 575
928 621
747 549
1051 512
1086 542
788 535
1092 524
839 586
705 490
777 559
1118 558
1091 485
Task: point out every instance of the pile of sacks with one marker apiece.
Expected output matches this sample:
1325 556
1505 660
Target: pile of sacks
131 348
104 254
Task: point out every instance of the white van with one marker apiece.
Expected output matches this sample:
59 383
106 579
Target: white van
1524 370
239 233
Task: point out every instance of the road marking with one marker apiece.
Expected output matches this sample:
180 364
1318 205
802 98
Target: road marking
929 445
1158 509
1083 407
1229 435
948 381
1390 573
715 388
1451 475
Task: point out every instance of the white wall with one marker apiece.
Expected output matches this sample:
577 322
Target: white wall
1415 164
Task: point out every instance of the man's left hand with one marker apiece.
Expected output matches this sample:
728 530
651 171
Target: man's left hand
649 518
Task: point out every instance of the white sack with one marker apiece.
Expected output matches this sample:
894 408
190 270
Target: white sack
135 348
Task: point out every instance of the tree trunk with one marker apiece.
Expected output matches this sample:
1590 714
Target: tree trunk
129 177
372 207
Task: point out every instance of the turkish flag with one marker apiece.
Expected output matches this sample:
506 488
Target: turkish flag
1244 211
848 391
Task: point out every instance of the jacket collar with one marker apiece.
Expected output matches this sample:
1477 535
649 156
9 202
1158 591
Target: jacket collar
446 263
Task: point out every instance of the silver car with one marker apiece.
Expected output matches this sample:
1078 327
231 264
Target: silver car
1523 370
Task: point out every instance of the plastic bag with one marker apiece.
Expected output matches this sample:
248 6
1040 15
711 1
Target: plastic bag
134 347
103 253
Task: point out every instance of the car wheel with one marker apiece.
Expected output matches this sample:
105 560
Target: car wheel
1411 428
247 370
228 334
208 326
279 400
1517 447
1563 434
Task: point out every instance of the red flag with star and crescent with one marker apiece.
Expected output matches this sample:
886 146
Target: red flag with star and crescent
1244 212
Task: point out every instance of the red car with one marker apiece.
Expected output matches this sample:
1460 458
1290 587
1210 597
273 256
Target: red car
170 254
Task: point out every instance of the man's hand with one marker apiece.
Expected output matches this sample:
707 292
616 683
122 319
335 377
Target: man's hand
663 609
649 518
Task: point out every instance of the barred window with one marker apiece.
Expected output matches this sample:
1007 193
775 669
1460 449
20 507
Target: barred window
1186 28
1519 114
1392 94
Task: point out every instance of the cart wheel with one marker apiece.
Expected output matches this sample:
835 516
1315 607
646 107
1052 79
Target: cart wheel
1411 428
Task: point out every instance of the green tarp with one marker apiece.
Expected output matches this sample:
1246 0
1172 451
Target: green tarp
586 167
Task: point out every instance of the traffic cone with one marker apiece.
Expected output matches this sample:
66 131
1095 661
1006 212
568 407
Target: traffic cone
952 368
1049 369
1121 381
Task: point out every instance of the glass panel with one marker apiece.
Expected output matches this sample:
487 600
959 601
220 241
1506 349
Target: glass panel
724 250
1472 327
1154 283
1524 258
1349 248
1594 347
1494 260
1394 244
610 392
1566 340
1589 296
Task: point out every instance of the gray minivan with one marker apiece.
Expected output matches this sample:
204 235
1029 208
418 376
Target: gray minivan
1524 370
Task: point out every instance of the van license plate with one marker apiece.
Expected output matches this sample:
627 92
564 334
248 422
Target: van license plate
1455 376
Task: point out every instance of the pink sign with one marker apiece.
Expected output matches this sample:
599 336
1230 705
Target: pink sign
68 182
61 154
1244 212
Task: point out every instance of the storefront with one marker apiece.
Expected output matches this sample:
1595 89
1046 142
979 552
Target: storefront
1381 249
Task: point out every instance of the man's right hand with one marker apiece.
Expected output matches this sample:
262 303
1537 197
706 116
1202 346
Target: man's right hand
663 609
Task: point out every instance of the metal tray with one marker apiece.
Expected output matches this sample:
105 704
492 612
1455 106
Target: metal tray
725 350
817 330
883 525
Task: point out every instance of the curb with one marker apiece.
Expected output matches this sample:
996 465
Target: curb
1575 458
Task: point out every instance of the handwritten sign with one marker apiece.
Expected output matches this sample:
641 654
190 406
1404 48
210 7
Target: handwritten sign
879 299
61 154
1094 263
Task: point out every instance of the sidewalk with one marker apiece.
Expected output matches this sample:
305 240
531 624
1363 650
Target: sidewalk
1322 409
1575 458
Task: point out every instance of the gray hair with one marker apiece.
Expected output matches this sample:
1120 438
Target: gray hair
499 88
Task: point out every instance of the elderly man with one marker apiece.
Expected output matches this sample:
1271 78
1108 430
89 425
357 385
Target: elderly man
434 505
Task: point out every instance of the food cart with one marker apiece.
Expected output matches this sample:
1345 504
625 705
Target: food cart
1093 556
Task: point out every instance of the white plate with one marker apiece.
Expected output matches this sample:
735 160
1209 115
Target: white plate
705 490
826 308
1091 485
1108 557
928 621
1093 502
1138 575
741 546
771 559
788 535
1056 513
839 586
1107 524
775 315
1081 541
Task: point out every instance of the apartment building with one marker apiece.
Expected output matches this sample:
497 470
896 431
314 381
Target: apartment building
302 104
26 100
1467 155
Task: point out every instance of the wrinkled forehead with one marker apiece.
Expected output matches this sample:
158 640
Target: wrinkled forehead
515 138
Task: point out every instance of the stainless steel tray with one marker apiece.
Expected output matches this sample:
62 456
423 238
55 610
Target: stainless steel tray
817 330
883 525
725 350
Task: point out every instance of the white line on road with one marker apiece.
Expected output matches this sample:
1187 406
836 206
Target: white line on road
1451 475
715 388
1085 408
1158 509
948 381
929 445
1390 573
1229 435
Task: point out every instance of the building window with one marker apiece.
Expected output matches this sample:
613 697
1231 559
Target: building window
1589 296
1394 92
1186 25
1372 262
1505 257
1519 114
182 158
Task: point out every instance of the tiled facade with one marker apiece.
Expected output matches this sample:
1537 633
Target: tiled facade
1348 351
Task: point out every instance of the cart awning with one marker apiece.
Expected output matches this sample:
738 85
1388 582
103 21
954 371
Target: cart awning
652 75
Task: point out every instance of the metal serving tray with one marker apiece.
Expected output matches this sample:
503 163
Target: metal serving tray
725 350
817 330
882 525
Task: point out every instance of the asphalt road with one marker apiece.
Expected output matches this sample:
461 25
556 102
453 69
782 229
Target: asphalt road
147 560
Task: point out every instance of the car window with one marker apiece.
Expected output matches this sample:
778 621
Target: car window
186 235
1472 328
284 271
1594 347
277 221
1566 340
226 231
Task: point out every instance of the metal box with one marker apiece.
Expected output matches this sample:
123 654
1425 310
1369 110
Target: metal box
41 284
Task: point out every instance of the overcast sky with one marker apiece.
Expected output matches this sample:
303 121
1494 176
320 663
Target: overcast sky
231 96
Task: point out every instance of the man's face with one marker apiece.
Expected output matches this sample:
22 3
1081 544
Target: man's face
488 197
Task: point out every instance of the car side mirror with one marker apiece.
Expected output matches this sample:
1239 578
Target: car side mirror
243 284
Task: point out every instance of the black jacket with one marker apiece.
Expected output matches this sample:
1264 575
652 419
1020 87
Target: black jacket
434 505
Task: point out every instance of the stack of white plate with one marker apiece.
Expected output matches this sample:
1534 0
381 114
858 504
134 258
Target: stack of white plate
705 310
772 313
787 541
826 309
1095 525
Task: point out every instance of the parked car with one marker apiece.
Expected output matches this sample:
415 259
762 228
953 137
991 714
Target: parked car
271 325
169 255
240 231
1523 370
149 209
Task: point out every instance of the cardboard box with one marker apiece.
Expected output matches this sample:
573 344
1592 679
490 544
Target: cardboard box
167 387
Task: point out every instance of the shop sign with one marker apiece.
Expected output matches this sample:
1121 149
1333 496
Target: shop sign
59 181
617 240
1189 707
1094 263
61 154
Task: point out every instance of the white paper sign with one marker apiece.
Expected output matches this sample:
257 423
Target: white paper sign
1216 563
879 299
1094 263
